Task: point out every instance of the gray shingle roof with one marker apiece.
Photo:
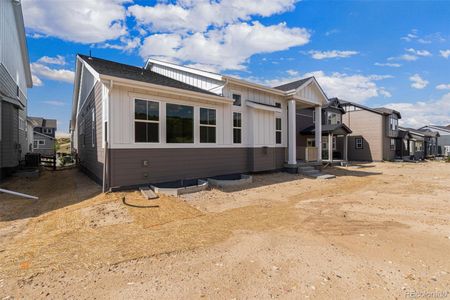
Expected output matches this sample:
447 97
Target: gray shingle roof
292 85
111 68
41 122
328 128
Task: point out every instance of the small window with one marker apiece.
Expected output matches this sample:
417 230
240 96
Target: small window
310 142
179 123
146 121
35 144
237 100
93 129
278 130
237 128
393 123
207 125
358 143
392 144
278 104
333 118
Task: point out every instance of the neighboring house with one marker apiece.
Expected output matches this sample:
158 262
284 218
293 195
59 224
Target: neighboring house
443 140
15 78
375 134
412 144
43 135
334 132
165 122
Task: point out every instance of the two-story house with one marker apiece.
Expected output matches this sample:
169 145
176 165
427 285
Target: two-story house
443 142
42 139
165 122
334 133
15 78
375 132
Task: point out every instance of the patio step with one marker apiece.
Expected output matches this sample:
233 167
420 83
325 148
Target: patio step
147 192
310 171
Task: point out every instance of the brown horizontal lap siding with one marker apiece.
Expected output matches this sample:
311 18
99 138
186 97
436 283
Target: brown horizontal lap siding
127 165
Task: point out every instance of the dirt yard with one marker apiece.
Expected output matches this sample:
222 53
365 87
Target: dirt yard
376 231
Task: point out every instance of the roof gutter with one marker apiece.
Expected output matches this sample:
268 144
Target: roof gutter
254 85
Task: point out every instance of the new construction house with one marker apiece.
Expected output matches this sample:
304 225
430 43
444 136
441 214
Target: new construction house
375 132
164 122
15 78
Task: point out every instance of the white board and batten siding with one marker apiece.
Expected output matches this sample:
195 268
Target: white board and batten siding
311 94
257 130
202 82
10 48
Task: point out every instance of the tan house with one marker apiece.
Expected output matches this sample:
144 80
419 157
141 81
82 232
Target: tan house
374 134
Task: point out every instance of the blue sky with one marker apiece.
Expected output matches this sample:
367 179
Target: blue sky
378 53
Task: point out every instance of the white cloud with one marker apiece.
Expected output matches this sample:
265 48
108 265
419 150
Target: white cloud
198 16
57 60
406 57
410 36
356 88
83 21
393 65
292 72
54 103
126 44
226 48
421 113
331 54
36 81
418 82
443 86
419 52
445 53
39 70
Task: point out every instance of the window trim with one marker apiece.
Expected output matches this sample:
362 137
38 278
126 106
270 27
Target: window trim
233 127
146 121
334 143
279 130
392 145
356 143
200 125
236 93
313 140
93 128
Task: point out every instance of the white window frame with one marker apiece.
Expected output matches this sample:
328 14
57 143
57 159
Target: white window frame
47 130
93 128
279 130
392 145
310 142
330 118
146 121
22 124
359 145
200 125
236 127
236 93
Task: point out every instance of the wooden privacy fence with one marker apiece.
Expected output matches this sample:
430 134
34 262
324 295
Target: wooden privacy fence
48 161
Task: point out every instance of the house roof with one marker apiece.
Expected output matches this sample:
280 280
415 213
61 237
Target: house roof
387 111
41 122
335 104
292 85
379 110
111 68
437 127
328 128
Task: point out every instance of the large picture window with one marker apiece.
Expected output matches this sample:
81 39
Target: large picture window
207 125
146 123
278 130
237 128
179 123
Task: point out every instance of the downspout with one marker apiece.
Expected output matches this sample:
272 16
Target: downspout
106 152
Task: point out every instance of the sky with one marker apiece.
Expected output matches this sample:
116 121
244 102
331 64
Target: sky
378 53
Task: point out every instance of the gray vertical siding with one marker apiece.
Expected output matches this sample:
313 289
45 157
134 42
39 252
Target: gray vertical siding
91 156
163 165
